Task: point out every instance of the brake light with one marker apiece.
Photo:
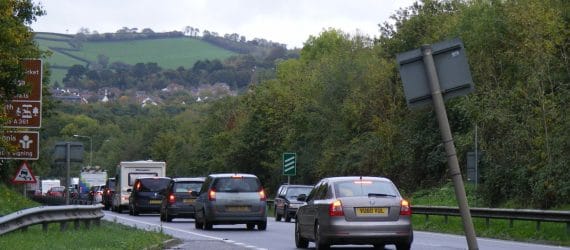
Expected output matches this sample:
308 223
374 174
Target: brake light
171 198
212 194
138 187
335 209
362 182
262 196
405 208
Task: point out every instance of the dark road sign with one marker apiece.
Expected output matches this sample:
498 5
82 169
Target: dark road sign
26 144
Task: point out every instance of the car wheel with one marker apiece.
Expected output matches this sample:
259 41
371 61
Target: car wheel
262 226
277 215
168 218
404 246
319 244
197 223
135 211
130 209
300 242
250 226
208 225
379 246
162 216
286 214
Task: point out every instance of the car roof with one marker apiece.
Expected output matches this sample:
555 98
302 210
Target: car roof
297 185
350 178
143 178
180 179
231 174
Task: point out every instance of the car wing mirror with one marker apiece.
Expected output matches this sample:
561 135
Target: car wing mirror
302 197
129 189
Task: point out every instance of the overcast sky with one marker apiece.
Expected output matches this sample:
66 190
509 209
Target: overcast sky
289 22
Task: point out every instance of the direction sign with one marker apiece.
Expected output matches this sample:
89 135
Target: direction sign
25 109
289 164
32 78
23 114
452 70
24 174
26 144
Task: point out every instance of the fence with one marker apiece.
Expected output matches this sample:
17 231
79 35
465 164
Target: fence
500 213
49 214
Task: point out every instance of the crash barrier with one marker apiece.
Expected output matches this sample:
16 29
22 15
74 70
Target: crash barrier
499 213
45 215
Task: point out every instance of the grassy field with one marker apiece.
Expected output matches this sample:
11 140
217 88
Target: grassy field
97 237
549 233
169 53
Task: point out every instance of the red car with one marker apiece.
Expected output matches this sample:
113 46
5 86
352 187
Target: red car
56 191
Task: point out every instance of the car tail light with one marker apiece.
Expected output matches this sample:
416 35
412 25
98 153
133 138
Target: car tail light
405 208
171 198
262 196
335 209
212 194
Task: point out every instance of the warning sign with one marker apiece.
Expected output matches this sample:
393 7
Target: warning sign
24 174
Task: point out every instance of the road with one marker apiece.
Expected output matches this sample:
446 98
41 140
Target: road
279 235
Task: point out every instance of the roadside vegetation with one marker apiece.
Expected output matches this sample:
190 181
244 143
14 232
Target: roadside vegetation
96 237
549 232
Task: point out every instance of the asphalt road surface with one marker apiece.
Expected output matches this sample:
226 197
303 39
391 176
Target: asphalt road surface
280 236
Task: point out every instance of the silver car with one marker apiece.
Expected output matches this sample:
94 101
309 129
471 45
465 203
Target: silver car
231 199
354 210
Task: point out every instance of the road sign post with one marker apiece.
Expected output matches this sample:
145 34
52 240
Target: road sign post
456 77
289 165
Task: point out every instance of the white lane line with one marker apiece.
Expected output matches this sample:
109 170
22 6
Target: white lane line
189 232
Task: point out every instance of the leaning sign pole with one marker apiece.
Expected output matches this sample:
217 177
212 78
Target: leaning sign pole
455 72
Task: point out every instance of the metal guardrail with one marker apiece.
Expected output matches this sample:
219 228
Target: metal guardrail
500 213
49 214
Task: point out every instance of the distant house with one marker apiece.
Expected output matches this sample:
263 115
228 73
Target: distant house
148 101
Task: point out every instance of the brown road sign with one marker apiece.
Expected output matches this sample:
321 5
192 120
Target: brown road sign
26 143
23 114
33 78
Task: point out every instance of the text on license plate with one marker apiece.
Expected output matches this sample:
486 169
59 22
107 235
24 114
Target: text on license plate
154 201
237 208
370 211
188 201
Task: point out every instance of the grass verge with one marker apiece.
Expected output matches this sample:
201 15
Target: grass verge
526 231
106 236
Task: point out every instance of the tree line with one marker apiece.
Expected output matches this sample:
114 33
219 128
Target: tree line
236 71
340 106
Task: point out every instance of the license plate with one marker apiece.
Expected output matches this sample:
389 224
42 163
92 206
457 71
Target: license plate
155 202
371 211
237 209
188 201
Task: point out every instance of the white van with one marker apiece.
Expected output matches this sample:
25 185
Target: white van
127 173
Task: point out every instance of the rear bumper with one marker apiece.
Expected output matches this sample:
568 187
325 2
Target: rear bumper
352 232
181 212
217 217
148 208
236 219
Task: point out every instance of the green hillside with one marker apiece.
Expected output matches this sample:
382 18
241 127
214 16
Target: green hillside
169 53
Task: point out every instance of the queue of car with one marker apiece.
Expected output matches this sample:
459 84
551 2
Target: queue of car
355 210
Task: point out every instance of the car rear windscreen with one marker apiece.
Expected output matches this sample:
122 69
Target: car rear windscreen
355 188
294 192
241 184
153 185
183 187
